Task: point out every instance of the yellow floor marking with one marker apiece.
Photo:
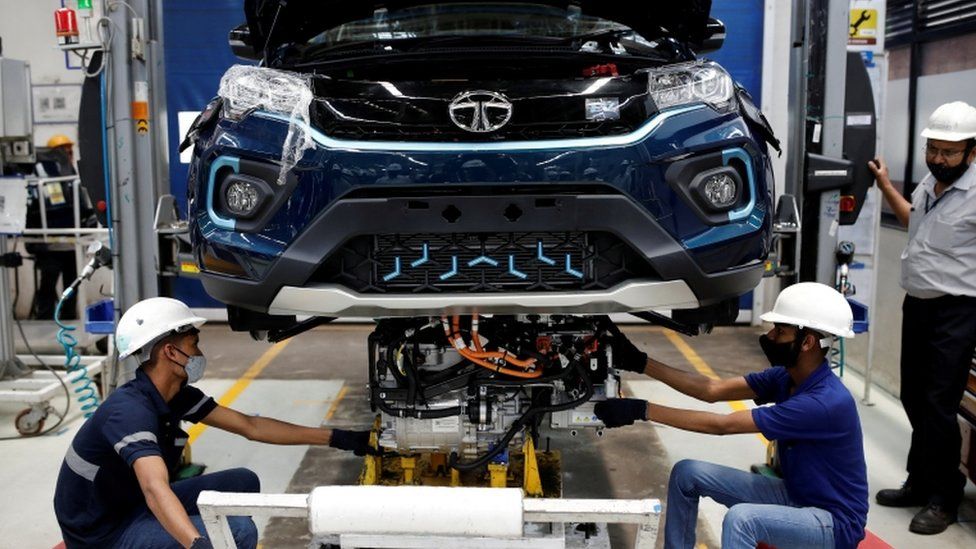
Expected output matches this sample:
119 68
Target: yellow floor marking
704 369
238 387
335 403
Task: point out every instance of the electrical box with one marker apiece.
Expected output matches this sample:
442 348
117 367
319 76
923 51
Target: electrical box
16 116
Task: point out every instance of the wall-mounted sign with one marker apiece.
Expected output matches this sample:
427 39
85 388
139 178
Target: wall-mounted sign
56 103
867 25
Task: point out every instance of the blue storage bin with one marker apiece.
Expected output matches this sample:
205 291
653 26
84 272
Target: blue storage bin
100 317
860 311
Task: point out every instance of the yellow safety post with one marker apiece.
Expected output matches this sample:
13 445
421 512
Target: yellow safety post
409 466
438 464
373 465
498 475
531 481
455 477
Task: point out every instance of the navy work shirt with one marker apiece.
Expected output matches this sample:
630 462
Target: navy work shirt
97 489
821 448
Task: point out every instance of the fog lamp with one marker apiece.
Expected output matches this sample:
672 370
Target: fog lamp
242 198
720 190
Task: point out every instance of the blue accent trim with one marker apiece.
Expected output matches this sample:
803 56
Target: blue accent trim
454 269
743 221
636 136
396 270
513 271
541 257
482 259
726 232
745 211
571 270
423 259
233 163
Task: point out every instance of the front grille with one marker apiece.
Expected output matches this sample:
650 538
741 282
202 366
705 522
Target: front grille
483 262
370 131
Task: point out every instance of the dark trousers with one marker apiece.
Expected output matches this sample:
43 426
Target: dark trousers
937 340
53 265
145 532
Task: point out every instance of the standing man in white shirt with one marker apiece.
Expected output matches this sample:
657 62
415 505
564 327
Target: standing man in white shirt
938 271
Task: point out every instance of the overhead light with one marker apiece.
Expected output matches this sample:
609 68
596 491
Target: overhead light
594 87
394 91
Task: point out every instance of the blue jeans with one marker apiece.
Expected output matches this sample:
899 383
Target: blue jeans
143 531
759 510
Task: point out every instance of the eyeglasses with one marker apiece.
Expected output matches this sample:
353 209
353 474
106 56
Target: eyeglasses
948 154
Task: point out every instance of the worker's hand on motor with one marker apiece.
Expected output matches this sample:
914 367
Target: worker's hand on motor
880 171
629 357
356 442
201 543
617 412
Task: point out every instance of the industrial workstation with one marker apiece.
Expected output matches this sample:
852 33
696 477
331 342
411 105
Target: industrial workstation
512 274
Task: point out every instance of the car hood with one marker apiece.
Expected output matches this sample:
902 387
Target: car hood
300 20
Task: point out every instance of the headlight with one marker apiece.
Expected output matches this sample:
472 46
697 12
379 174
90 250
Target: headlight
245 88
720 190
688 83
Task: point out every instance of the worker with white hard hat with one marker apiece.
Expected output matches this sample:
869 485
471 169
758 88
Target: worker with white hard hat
117 485
822 498
939 313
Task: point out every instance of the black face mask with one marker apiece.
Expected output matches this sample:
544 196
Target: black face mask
947 174
781 354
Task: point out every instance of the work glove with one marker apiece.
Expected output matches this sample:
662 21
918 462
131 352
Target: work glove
617 412
201 543
356 442
629 357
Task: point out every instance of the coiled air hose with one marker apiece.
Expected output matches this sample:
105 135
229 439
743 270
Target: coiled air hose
83 386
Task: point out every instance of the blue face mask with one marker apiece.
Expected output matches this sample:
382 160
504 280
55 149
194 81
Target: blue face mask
194 367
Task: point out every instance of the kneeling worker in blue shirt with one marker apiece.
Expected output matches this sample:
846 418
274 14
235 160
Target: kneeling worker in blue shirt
822 499
116 484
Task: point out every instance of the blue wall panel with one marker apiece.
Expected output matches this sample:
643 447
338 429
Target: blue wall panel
197 54
743 50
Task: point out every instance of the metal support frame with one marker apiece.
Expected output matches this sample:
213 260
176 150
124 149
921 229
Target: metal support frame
835 76
10 364
826 41
215 507
135 172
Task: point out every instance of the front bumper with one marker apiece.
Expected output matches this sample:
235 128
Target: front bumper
332 300
290 286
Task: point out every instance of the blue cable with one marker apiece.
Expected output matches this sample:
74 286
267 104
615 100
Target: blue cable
84 386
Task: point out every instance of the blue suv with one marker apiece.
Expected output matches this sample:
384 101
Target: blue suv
402 159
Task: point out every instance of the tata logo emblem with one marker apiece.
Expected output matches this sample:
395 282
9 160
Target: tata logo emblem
480 111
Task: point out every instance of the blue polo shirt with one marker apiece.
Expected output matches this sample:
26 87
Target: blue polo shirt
97 490
821 448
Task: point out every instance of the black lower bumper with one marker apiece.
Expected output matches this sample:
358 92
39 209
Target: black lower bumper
613 214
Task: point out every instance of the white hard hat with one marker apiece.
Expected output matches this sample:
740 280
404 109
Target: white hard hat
150 320
954 121
815 306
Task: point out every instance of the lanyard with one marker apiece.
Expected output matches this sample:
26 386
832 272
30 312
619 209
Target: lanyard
937 200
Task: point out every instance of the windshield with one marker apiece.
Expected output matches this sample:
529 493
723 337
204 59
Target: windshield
475 19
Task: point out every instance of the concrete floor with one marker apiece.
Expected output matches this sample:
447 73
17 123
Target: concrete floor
319 378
